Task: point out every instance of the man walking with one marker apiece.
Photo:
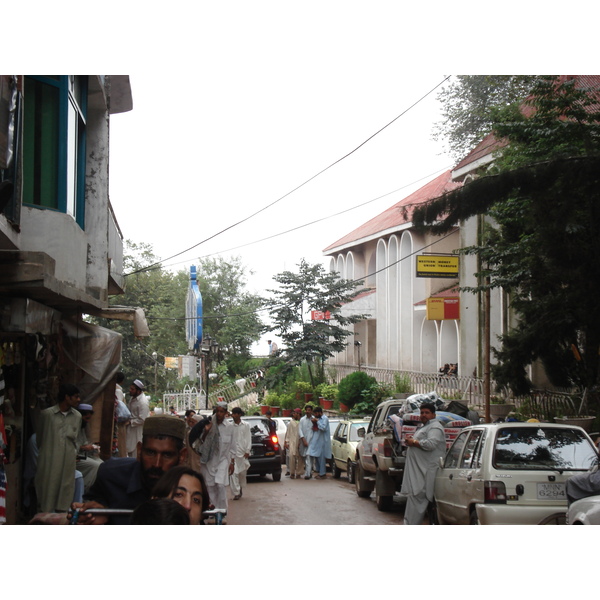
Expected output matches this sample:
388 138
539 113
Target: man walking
140 410
56 439
242 445
422 459
305 433
292 446
319 448
217 458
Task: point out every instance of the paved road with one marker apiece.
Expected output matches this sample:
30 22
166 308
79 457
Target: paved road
307 502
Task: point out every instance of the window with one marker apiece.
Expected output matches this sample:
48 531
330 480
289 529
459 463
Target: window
471 450
54 143
455 451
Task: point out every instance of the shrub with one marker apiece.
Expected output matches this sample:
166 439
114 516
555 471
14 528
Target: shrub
351 387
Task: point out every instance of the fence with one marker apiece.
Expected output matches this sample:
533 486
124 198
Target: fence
541 404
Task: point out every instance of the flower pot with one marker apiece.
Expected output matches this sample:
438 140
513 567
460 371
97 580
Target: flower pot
344 408
263 409
326 404
274 411
286 412
584 422
501 411
308 396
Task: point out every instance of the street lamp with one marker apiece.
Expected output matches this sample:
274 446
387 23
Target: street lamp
210 347
155 357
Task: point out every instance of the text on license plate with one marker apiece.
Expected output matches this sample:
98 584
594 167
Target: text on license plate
551 491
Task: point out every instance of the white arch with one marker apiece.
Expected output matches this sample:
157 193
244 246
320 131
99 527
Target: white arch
350 266
393 304
408 319
381 279
428 357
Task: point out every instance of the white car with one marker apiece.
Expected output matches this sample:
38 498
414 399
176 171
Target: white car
510 473
343 446
584 512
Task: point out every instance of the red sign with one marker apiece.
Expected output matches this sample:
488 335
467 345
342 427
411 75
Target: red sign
319 315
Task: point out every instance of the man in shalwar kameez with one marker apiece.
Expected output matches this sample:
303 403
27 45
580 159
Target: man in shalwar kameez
217 459
422 461
305 432
243 446
292 445
57 433
319 448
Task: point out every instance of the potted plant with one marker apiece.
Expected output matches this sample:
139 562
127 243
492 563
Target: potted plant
402 386
304 387
499 409
327 395
351 387
287 402
271 402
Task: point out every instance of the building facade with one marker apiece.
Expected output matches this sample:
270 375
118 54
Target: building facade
61 256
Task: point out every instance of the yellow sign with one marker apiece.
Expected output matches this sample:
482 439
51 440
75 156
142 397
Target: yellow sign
437 265
171 362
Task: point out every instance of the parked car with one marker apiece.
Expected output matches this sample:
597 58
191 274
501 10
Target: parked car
343 446
333 424
509 473
265 456
584 512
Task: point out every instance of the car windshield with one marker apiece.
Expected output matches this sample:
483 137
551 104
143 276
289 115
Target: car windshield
543 448
353 437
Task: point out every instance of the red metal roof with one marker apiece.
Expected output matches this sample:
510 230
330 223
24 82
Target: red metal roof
451 292
393 216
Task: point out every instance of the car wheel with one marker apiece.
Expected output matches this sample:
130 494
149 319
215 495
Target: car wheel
277 476
384 503
336 471
351 472
473 518
362 490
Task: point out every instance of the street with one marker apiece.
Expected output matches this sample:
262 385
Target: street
307 502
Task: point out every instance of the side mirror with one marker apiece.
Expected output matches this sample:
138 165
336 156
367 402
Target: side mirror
361 432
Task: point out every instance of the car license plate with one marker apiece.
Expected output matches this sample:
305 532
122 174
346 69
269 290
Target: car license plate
551 491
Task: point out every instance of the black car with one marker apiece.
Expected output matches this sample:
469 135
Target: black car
265 456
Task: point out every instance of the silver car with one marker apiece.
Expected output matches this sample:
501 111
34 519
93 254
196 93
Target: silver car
510 473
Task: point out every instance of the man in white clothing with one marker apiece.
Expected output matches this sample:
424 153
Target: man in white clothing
140 411
243 446
422 460
305 433
217 458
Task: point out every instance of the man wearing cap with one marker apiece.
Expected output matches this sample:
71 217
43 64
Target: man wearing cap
57 431
88 460
127 482
140 410
217 457
242 448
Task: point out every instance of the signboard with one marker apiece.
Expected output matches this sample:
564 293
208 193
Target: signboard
171 362
319 315
193 313
440 309
437 265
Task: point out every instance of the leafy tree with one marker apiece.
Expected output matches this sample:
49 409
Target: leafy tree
162 296
231 315
542 244
305 341
468 103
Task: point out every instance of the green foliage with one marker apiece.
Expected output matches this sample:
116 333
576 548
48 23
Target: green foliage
351 387
544 199
468 103
402 383
371 397
328 391
308 342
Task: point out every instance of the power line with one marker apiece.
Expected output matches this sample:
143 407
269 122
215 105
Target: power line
159 265
243 314
298 186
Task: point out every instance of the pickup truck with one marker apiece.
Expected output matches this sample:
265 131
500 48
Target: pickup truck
380 454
